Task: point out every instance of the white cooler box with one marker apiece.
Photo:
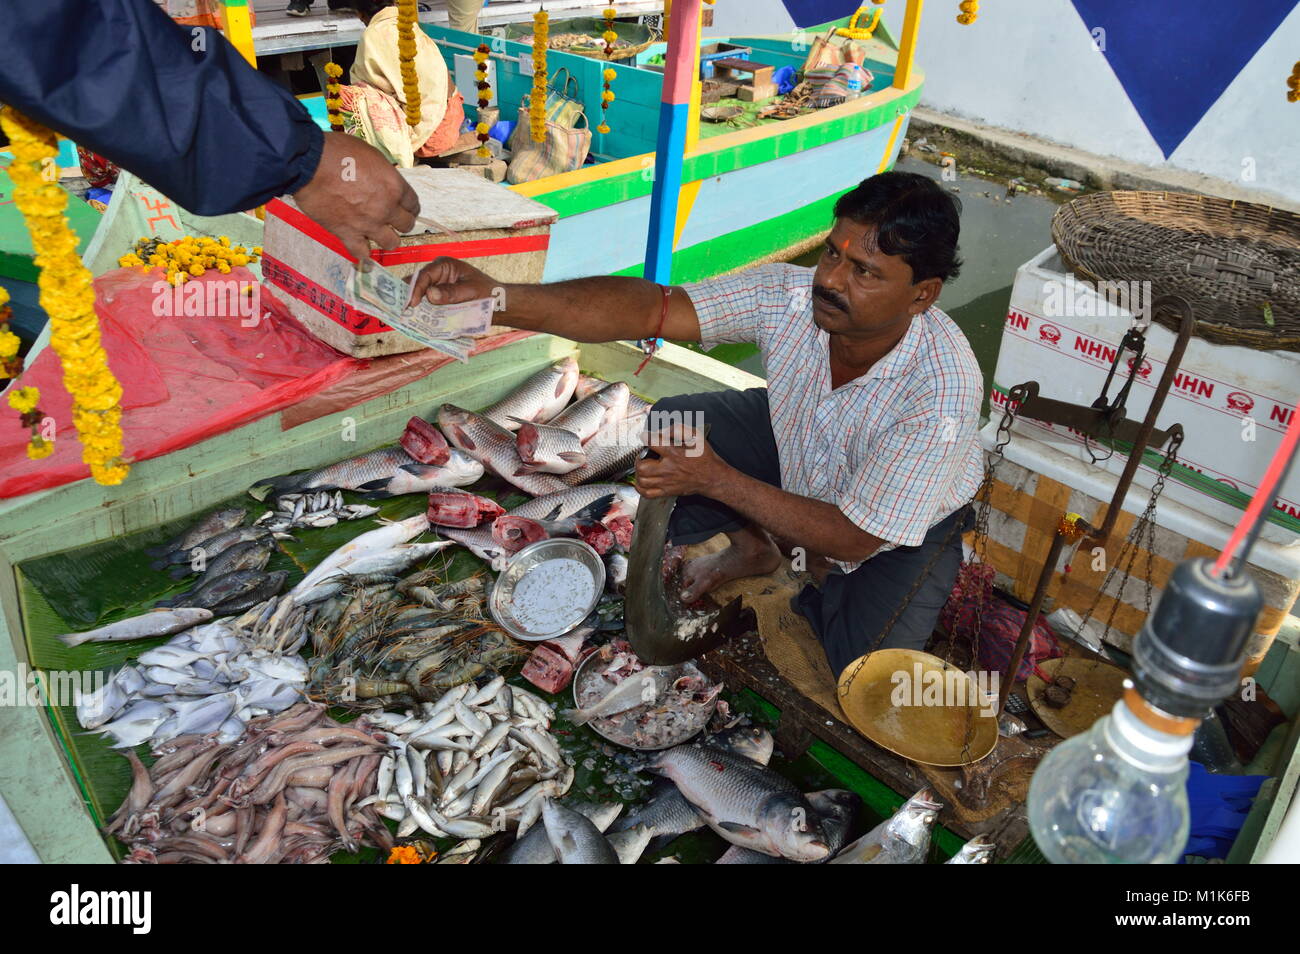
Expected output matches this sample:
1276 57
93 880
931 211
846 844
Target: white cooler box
1064 335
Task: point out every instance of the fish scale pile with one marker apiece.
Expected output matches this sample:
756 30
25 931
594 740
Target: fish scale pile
291 789
472 764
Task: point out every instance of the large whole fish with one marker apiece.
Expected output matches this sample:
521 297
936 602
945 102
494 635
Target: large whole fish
585 417
574 838
386 472
249 555
746 803
838 809
544 449
369 568
220 595
207 550
571 500
534 848
540 398
903 839
217 522
373 541
156 623
612 452
494 447
480 542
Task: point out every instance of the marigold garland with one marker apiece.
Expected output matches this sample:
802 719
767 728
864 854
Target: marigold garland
68 296
407 17
969 11
333 97
484 96
537 101
607 96
189 256
1293 85
10 364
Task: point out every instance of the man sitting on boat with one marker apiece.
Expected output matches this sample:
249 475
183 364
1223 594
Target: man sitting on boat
862 449
374 106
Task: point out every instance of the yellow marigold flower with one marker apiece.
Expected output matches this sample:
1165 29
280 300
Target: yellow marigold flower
610 36
540 16
23 400
239 260
480 56
223 268
403 855
4 295
333 69
603 128
257 251
610 13
39 448
9 345
608 96
610 75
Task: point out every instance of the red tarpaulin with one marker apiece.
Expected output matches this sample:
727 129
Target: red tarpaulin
188 377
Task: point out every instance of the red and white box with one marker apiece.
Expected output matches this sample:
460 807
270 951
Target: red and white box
1234 403
496 229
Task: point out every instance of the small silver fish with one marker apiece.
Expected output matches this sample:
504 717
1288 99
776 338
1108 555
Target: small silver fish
155 623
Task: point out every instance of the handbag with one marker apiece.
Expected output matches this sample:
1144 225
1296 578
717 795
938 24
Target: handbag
563 149
562 108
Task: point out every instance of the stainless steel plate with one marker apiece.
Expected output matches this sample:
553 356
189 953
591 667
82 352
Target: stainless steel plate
556 589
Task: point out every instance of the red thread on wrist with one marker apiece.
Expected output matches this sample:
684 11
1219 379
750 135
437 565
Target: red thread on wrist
663 316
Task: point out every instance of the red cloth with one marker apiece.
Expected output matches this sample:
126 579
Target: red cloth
184 379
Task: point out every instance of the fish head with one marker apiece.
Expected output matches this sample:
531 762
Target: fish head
793 829
461 469
977 851
750 741
456 423
515 533
626 501
912 822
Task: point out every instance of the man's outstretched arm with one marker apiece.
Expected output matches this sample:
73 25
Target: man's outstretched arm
180 108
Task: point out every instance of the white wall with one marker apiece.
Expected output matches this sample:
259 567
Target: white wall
1030 66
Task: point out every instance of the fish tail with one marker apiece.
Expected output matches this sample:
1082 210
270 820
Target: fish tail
73 639
274 486
574 716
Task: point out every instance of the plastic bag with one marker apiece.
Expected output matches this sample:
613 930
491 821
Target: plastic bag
185 377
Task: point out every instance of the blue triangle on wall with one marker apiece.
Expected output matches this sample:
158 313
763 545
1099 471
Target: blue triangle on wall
806 13
1175 58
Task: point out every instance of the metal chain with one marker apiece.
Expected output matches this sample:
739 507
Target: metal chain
983 502
1143 532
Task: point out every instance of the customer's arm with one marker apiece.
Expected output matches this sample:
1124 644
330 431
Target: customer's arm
584 309
180 108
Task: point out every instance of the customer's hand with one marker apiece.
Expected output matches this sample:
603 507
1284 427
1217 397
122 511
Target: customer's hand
449 281
359 196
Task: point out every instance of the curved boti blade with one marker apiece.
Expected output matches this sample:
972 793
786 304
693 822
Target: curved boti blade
659 636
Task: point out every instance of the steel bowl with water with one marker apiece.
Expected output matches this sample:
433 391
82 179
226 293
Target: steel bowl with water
527 560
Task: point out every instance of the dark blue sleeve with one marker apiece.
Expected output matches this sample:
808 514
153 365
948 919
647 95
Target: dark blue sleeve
177 106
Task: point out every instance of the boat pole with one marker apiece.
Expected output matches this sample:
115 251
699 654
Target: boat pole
680 67
907 45
238 28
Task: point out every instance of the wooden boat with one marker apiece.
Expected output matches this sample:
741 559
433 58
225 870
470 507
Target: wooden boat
45 786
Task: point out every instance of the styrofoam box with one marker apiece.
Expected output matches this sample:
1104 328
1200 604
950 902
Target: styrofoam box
1063 334
496 229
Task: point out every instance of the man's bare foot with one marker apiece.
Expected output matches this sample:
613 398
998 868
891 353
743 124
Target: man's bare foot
751 553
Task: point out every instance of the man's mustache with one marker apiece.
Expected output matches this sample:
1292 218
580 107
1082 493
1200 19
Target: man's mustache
830 297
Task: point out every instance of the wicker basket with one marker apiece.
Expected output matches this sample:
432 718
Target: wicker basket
640 37
1234 261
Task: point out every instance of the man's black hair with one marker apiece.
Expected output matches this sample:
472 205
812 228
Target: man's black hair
914 217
